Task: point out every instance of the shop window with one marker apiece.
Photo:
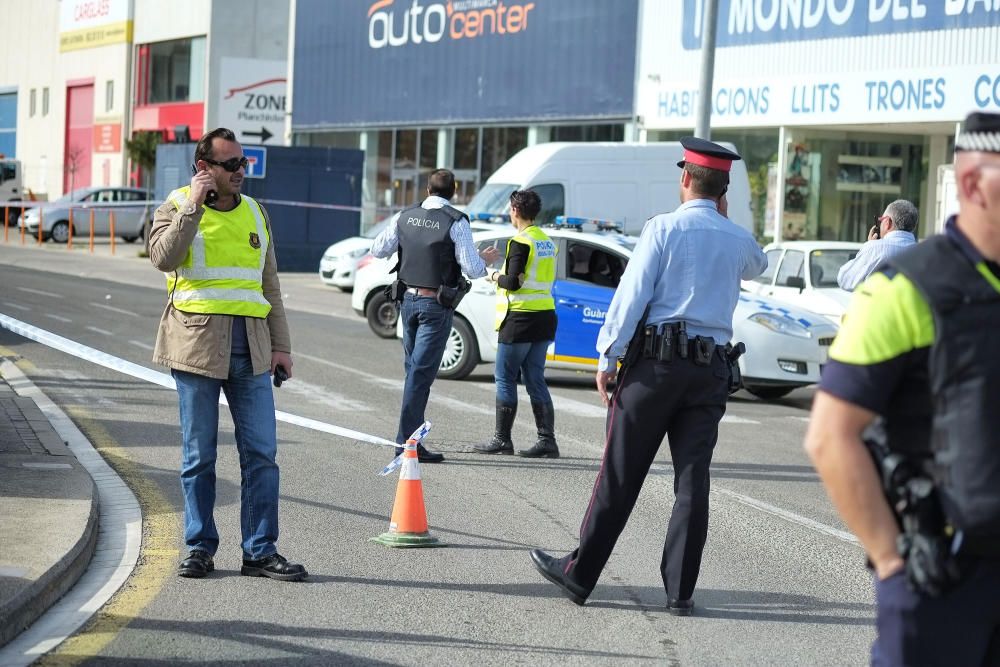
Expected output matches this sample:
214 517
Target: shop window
467 148
176 71
499 145
605 132
383 181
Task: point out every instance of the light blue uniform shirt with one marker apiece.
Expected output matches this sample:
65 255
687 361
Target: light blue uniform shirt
687 266
472 264
871 255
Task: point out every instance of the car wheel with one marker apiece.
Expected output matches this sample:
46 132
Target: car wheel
766 393
60 232
461 354
129 239
382 315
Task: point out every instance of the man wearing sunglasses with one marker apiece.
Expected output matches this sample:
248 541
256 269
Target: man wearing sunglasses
891 234
223 329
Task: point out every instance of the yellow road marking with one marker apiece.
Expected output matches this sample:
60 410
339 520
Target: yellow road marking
157 553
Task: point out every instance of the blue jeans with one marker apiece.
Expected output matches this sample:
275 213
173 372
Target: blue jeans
251 404
529 358
426 326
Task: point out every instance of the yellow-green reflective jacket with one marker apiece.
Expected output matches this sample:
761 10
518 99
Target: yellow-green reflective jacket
221 273
539 273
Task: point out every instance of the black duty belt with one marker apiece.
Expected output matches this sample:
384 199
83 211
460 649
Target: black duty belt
670 341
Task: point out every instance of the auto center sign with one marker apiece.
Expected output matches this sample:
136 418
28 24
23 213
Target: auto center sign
253 99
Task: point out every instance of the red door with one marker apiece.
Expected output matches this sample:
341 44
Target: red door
79 136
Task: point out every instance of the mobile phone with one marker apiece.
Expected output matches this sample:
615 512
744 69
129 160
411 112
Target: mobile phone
211 196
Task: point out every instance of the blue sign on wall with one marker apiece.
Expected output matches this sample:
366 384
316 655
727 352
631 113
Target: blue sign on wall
256 161
744 22
393 62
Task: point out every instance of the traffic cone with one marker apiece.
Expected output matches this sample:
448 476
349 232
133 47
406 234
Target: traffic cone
408 523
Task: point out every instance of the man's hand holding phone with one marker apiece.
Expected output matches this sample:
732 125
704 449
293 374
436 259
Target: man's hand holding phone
201 184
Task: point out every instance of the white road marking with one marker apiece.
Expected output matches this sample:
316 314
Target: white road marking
16 306
103 332
118 538
51 295
120 311
139 343
58 318
326 397
135 370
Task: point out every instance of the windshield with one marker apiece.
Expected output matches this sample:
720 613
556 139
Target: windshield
376 229
825 264
492 198
75 195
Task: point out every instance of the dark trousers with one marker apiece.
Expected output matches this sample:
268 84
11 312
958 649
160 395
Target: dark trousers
683 402
962 627
426 326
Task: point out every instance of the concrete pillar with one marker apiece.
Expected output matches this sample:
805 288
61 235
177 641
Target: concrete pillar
937 155
445 148
539 134
368 142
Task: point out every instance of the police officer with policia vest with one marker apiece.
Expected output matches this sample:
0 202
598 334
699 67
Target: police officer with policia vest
917 358
673 309
526 322
434 243
223 328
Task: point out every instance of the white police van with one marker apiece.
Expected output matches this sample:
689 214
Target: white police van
785 345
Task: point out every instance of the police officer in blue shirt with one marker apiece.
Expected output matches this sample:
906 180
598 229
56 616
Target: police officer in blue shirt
675 304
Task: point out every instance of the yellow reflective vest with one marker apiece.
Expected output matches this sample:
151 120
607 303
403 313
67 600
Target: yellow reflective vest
539 274
221 273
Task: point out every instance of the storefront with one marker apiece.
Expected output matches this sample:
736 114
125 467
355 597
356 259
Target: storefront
839 106
462 85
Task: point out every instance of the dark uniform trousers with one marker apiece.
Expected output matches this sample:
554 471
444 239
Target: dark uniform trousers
684 402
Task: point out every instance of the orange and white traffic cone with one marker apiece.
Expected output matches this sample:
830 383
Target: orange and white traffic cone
408 523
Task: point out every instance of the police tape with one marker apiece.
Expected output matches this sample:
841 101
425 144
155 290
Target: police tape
106 360
305 204
414 440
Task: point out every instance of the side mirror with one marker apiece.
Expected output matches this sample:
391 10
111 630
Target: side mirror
796 281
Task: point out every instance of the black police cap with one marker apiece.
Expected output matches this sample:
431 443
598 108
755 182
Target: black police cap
707 154
982 133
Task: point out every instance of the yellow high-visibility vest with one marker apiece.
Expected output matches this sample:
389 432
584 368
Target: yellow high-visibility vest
222 271
539 274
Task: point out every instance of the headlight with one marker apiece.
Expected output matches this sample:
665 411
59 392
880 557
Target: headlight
781 325
360 252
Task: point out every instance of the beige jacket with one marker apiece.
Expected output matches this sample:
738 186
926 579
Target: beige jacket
199 343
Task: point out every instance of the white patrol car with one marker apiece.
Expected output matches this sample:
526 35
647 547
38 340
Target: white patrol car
785 345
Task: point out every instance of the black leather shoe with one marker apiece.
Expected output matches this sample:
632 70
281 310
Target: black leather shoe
424 455
274 566
494 446
680 607
552 570
197 564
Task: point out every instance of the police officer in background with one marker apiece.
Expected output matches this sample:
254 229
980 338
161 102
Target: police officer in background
916 356
685 277
434 242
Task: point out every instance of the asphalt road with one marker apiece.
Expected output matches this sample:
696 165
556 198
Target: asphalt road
779 583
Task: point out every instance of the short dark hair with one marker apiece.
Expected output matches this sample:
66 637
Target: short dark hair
204 148
527 203
441 183
708 182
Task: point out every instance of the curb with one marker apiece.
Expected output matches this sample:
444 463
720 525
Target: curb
26 607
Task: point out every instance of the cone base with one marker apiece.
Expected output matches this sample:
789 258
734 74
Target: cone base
407 540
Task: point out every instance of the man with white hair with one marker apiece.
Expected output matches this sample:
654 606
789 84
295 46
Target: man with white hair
891 234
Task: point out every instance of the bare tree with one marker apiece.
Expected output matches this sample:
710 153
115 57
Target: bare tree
72 163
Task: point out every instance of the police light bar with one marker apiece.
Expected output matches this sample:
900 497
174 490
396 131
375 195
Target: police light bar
489 217
564 221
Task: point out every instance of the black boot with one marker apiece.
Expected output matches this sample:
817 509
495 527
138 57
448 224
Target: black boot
500 443
545 446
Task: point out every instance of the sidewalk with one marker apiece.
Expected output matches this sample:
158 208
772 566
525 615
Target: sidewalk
48 514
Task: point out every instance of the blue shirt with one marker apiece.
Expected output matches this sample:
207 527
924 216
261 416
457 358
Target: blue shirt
687 266
472 264
871 255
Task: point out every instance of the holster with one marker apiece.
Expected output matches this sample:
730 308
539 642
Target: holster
733 354
395 290
449 296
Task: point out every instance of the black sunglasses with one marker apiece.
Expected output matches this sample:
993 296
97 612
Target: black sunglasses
231 165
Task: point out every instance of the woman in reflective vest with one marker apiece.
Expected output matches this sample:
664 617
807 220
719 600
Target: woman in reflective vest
526 326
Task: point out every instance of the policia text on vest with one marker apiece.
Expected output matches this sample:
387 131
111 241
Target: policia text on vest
429 261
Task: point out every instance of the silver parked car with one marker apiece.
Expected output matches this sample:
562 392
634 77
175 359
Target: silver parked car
130 206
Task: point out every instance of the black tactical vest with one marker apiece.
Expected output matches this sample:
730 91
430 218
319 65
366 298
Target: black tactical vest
964 372
426 251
